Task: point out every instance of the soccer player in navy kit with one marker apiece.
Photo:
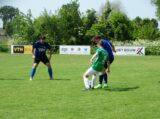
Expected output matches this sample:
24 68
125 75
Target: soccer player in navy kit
39 55
110 49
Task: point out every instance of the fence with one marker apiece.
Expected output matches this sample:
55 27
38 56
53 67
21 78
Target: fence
149 50
7 48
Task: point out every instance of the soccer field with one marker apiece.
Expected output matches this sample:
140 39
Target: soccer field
133 93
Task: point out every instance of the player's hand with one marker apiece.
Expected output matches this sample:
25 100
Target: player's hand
91 62
49 58
33 56
108 70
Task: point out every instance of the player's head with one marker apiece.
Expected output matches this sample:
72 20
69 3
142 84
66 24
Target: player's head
42 39
96 39
100 44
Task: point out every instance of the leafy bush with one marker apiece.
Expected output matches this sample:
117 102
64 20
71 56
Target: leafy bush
152 50
93 49
4 48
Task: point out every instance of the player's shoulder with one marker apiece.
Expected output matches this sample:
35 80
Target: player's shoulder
102 50
46 44
37 42
105 40
99 49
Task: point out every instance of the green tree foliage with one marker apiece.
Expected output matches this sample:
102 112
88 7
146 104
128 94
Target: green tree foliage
96 29
157 4
47 24
104 19
145 28
88 21
106 11
7 14
69 26
22 28
120 24
70 22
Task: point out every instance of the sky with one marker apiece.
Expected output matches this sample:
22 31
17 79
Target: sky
132 8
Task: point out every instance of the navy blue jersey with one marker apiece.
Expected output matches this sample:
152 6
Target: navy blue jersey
108 47
40 49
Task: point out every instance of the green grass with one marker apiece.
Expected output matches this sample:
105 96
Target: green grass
133 92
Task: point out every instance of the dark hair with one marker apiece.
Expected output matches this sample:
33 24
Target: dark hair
43 37
96 37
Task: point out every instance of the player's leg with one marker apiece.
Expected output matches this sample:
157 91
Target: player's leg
46 61
100 81
33 71
86 75
93 80
50 72
105 75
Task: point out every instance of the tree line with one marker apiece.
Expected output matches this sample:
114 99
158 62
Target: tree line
69 26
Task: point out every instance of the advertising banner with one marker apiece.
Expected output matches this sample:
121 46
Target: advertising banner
21 49
76 50
130 50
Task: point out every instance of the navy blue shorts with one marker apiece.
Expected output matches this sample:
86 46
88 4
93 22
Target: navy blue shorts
43 59
110 60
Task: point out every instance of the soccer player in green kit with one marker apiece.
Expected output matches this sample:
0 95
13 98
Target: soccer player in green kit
98 60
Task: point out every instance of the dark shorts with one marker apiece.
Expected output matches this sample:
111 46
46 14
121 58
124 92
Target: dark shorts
110 60
43 59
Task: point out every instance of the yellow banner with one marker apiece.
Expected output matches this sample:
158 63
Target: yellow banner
27 49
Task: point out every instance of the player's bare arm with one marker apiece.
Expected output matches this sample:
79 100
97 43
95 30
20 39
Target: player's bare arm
108 68
94 56
33 53
50 54
113 48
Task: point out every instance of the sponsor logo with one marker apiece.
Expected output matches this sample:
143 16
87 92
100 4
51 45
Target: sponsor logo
139 51
85 49
64 49
18 49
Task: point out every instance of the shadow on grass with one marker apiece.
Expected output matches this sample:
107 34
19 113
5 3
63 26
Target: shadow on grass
34 79
122 89
61 79
10 79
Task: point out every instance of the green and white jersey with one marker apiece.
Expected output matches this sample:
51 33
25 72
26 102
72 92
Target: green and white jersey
100 60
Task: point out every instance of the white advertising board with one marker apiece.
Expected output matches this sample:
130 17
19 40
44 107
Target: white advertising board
76 50
130 50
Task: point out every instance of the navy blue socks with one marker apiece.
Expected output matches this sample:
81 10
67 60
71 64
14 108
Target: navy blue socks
33 71
50 73
105 77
